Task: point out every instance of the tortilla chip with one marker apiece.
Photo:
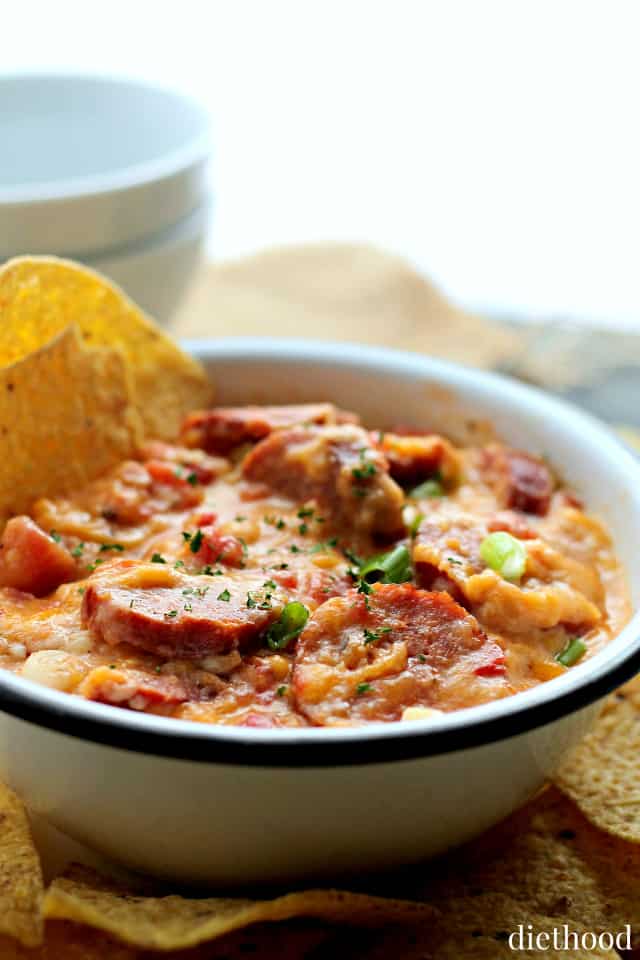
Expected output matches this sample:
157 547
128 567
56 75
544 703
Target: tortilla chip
603 774
20 874
42 296
174 923
69 941
65 416
479 928
551 860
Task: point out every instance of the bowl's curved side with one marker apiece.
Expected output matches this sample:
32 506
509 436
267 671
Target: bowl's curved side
227 825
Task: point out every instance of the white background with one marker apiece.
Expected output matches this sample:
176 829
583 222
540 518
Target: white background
495 143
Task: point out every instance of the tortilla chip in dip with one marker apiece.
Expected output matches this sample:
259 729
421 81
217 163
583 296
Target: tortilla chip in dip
42 296
65 416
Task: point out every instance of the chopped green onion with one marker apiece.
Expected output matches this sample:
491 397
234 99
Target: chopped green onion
111 546
55 536
362 688
430 488
414 525
291 622
78 551
157 558
573 652
280 692
504 554
225 595
391 567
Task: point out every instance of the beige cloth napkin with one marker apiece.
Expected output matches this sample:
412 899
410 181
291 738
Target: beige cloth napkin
338 292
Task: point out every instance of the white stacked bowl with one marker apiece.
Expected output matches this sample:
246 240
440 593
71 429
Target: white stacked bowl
107 171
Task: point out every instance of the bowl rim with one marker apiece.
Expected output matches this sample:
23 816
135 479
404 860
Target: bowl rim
69 189
381 742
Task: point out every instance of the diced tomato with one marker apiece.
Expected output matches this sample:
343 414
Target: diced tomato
218 547
205 519
31 560
286 578
258 720
494 669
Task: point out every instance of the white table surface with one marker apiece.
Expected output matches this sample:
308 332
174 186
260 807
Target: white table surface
496 144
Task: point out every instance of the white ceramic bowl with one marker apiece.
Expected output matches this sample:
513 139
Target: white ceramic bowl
229 806
91 163
156 272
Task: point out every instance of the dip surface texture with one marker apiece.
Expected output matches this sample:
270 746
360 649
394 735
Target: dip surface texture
285 566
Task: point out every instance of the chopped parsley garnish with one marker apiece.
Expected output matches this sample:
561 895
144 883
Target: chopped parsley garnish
81 591
186 535
365 589
225 595
574 651
305 512
370 636
55 536
294 548
196 541
276 522
158 558
290 623
91 567
280 692
78 551
250 601
303 529
179 564
270 585
367 468
171 614
111 546
361 473
187 607
363 688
